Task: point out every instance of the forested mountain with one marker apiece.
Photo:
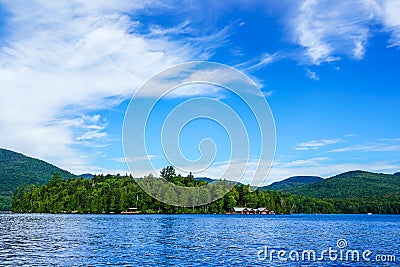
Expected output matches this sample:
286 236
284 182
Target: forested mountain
292 182
17 169
397 174
353 184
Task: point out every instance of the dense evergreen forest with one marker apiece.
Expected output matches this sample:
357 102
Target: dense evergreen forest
17 169
114 194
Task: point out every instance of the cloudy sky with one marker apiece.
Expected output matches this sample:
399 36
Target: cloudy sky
329 71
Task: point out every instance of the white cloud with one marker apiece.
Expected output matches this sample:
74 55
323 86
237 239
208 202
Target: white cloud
91 135
65 58
135 159
359 49
267 93
259 62
382 145
351 135
391 18
389 139
306 162
329 29
196 81
316 144
182 28
312 75
199 89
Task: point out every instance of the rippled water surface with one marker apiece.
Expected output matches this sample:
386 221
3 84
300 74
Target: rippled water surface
195 240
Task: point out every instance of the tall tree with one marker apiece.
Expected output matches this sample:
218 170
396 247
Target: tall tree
168 173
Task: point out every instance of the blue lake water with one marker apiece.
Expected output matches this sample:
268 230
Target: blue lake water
199 240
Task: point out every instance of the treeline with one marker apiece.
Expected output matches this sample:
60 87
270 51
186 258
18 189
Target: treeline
114 194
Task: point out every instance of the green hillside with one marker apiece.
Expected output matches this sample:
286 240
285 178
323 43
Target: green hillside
350 185
17 169
292 182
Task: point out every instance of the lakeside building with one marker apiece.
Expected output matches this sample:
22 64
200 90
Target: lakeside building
130 211
238 210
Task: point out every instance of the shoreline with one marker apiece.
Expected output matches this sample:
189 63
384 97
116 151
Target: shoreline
228 214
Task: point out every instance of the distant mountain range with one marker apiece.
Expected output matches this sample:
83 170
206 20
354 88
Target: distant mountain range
205 179
352 184
292 182
86 175
17 169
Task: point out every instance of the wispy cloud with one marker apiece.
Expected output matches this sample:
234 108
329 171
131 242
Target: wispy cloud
182 28
196 81
351 135
306 162
72 57
382 145
91 135
391 17
259 62
134 159
317 144
312 75
268 93
329 30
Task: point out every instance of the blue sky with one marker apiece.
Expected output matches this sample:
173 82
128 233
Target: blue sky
330 73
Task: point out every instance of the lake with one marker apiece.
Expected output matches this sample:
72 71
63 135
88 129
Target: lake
199 240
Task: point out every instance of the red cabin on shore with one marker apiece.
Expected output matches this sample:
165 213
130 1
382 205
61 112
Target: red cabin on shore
238 210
